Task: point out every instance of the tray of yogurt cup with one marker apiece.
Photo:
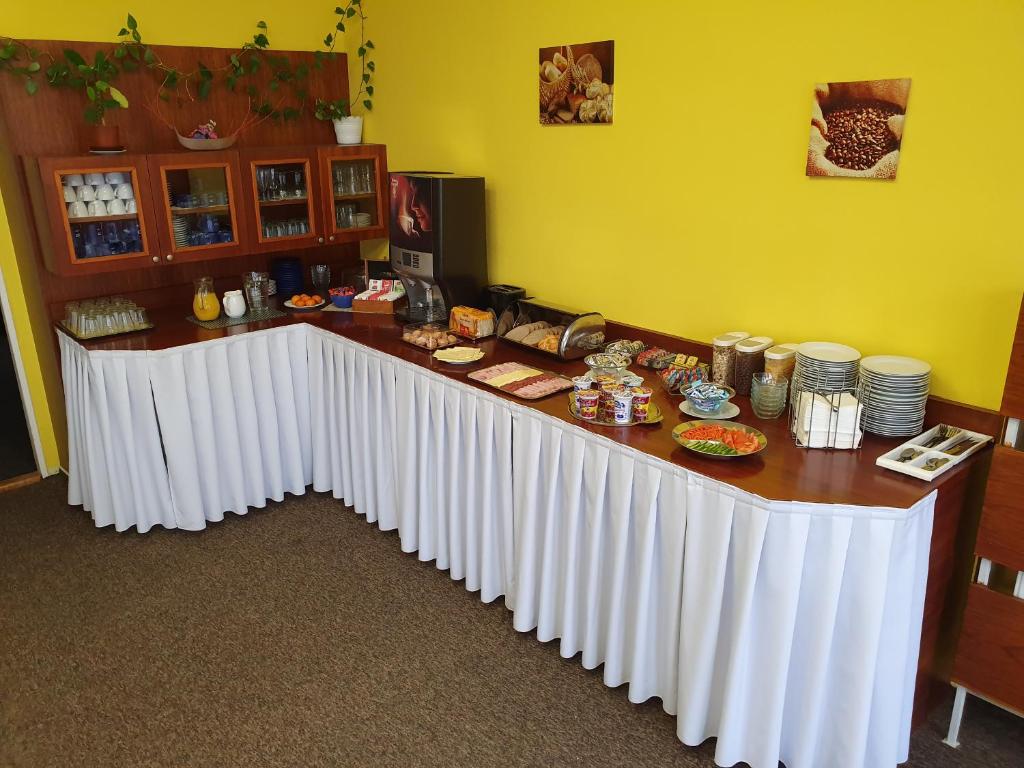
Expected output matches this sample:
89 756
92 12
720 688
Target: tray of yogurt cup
933 452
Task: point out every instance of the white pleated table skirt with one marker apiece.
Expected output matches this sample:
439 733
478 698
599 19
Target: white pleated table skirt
788 631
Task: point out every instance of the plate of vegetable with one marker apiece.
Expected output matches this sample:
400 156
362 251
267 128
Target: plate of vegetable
719 439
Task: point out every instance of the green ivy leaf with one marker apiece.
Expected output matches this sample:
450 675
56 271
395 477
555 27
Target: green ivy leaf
369 90
261 40
339 10
149 56
290 113
74 57
369 43
328 40
340 26
204 72
31 86
119 53
33 66
261 25
102 85
132 23
136 36
90 92
204 89
122 32
368 104
130 66
361 51
371 66
350 12
118 97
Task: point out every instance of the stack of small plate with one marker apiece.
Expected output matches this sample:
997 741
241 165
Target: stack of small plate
894 393
182 231
822 366
361 220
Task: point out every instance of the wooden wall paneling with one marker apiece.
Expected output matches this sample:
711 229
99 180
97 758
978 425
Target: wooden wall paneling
1013 391
1001 535
51 121
990 655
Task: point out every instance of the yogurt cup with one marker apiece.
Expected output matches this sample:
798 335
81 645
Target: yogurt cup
641 402
586 403
623 406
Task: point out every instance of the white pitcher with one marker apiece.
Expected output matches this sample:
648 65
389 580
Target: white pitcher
234 303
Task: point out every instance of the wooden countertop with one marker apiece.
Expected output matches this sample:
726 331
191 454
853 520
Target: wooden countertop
781 472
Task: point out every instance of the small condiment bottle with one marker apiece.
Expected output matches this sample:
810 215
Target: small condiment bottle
723 358
749 360
780 360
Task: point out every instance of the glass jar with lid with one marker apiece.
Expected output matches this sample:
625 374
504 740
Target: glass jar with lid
780 360
749 360
723 357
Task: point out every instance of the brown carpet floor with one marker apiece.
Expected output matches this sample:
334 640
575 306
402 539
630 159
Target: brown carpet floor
302 636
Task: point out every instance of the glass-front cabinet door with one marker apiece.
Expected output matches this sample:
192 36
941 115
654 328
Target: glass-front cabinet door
282 184
199 197
353 181
99 214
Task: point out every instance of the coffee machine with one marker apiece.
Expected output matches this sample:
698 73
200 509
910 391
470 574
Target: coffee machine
438 240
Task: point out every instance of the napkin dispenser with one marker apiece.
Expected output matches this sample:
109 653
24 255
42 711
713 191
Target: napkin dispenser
555 330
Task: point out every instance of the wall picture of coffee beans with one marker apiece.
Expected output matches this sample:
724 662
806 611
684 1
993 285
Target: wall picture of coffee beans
857 128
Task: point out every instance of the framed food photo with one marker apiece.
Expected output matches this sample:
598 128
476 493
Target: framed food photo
857 128
577 83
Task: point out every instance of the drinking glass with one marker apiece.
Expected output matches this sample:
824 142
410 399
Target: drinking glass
768 395
321 277
257 289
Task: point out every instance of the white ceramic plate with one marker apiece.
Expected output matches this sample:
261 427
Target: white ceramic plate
894 365
727 411
828 352
303 309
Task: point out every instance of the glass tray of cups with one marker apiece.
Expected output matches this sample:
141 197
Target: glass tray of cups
111 316
933 452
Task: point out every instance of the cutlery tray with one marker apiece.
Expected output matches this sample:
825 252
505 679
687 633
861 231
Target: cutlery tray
919 465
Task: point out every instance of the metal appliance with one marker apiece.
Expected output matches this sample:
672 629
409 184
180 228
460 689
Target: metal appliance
438 241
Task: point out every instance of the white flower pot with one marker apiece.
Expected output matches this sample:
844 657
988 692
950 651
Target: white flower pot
349 130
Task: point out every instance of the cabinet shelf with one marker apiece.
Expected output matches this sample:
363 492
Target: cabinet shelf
99 219
356 196
284 201
201 209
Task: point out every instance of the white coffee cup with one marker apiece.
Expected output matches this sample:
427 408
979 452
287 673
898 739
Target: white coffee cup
86 193
125 191
114 177
95 179
129 207
97 208
77 210
69 194
104 192
116 207
74 180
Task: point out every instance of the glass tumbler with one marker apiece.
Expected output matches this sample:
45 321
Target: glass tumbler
768 395
257 289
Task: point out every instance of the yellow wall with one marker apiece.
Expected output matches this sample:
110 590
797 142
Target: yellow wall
692 214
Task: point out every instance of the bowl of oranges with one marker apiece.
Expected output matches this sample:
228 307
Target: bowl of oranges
303 301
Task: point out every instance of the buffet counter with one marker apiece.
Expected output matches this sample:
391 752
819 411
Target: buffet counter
773 602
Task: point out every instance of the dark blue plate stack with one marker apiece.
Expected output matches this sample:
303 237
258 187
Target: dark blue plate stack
287 273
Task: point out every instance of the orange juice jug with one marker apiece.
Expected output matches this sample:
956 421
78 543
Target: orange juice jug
204 303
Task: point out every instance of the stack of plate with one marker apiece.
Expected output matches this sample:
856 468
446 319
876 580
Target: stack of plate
822 366
894 392
361 220
287 274
182 231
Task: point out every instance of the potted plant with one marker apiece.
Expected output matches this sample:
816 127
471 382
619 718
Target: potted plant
73 71
348 128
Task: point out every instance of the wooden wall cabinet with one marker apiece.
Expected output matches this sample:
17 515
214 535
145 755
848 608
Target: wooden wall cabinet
200 206
354 191
95 214
201 213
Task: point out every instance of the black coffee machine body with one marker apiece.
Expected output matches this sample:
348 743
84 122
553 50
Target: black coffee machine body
438 240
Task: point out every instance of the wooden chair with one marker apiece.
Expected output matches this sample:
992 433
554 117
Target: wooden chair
989 660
